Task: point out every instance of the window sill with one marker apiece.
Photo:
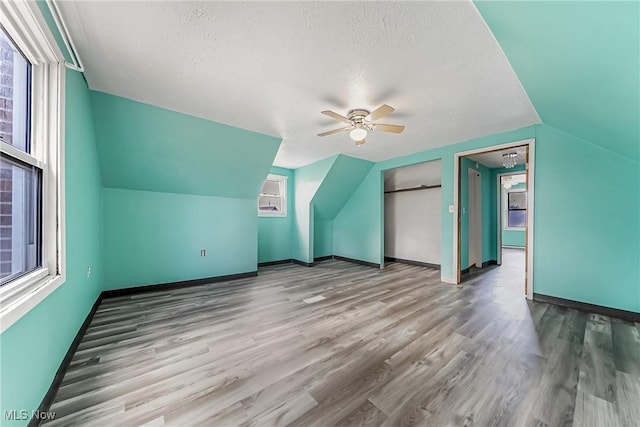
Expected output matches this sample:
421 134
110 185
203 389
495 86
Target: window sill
263 215
514 229
17 298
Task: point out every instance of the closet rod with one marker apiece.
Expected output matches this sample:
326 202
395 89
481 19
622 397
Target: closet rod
422 187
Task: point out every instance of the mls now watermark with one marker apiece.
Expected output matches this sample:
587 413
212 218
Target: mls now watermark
23 415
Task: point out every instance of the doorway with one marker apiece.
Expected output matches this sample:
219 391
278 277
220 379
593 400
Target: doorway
481 208
512 211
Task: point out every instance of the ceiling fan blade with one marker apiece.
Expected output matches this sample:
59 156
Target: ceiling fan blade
336 116
380 112
331 132
389 128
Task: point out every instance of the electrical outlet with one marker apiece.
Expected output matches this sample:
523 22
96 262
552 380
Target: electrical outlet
88 272
203 252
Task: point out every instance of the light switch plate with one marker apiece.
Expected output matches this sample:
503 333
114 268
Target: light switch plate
450 208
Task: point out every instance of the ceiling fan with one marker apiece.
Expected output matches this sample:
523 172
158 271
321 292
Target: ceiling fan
361 122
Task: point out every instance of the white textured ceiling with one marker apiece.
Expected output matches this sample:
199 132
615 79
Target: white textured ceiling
271 67
493 159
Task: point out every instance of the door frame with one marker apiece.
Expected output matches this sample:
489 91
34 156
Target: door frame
530 206
477 218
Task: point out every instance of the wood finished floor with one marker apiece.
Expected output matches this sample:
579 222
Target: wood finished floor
393 348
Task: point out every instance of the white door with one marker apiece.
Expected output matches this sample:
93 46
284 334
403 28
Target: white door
474 218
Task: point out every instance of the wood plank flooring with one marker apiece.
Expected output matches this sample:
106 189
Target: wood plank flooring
392 347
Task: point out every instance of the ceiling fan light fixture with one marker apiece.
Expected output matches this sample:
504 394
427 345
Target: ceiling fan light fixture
358 134
361 122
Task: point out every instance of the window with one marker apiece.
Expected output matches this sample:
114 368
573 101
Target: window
31 188
20 225
516 209
272 200
20 194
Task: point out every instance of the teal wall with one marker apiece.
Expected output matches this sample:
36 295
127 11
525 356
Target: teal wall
322 237
587 234
307 180
579 62
343 178
358 229
176 184
152 238
142 147
322 188
587 227
222 170
596 215
513 238
33 347
275 233
358 226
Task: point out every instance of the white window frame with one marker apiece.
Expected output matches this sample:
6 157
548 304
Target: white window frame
282 181
505 209
26 26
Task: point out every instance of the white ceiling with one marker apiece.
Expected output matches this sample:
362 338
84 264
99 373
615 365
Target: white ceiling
271 67
493 159
427 173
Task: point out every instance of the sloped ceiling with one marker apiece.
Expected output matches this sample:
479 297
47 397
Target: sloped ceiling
579 61
343 178
271 67
142 147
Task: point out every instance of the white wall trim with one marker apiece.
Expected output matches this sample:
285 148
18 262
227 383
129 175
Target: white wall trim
530 205
382 217
66 37
530 214
477 208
